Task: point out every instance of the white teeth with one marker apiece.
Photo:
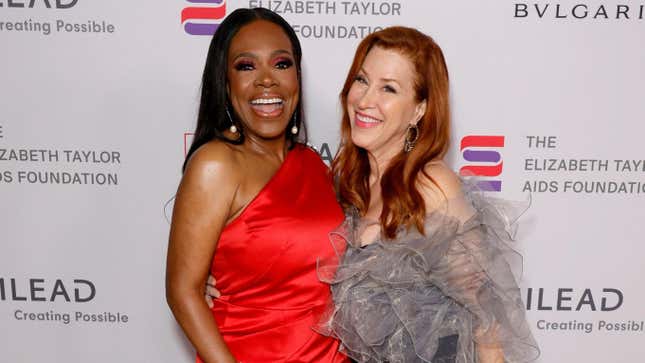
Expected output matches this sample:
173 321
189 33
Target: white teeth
367 119
266 101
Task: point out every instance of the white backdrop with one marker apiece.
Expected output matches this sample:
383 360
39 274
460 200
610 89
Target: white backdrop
97 96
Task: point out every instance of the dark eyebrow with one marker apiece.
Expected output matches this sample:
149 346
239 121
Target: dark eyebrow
281 51
254 56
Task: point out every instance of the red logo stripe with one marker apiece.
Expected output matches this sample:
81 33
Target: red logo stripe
488 170
203 13
482 141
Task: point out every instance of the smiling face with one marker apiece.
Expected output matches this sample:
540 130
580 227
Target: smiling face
382 102
262 79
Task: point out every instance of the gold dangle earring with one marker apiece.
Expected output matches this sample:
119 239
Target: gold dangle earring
411 137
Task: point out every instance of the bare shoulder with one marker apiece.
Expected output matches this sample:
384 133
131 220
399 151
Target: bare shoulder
202 206
439 176
213 166
438 183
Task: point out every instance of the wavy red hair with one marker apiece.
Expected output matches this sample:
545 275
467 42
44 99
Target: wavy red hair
403 205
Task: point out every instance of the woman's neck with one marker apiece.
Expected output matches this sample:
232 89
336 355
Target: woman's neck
379 162
273 148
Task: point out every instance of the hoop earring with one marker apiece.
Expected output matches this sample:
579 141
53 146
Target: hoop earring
294 128
411 137
233 128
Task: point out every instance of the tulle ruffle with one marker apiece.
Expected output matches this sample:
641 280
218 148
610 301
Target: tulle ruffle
406 299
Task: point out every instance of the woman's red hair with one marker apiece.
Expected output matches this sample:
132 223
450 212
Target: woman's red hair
403 205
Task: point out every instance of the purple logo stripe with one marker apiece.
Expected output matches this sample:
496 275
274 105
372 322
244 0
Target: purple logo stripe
490 185
479 155
200 29
206 1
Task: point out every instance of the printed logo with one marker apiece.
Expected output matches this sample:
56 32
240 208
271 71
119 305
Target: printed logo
203 19
570 299
32 289
484 162
580 11
58 4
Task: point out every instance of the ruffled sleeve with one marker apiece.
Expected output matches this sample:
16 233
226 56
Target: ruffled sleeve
434 297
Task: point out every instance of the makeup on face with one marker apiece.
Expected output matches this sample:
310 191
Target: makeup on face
381 102
263 80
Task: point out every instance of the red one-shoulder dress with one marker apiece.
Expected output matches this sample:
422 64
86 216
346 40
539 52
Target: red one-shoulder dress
265 266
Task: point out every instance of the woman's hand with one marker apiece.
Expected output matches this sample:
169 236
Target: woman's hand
489 348
211 292
489 353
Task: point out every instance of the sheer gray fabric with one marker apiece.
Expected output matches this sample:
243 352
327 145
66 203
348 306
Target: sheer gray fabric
398 300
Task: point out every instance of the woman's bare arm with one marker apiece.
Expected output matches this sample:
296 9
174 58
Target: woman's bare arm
202 207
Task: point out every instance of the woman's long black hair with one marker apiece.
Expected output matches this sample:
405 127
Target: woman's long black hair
212 119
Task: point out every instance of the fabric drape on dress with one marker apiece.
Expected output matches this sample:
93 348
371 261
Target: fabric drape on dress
402 300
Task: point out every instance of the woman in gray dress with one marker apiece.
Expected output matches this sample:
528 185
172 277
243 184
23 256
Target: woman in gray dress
422 272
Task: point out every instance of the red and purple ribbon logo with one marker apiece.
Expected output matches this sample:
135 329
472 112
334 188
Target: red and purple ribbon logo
204 19
484 162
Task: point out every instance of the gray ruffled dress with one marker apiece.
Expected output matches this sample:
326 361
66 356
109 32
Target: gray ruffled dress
433 297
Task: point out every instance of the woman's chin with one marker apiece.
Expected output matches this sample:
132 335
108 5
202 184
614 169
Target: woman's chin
271 134
361 141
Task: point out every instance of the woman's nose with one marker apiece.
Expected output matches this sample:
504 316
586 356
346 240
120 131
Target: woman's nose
366 98
265 78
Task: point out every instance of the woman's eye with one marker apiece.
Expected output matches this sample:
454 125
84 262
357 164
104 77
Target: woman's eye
244 66
389 89
360 79
284 64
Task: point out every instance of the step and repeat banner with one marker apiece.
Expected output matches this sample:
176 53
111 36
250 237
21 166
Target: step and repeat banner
99 99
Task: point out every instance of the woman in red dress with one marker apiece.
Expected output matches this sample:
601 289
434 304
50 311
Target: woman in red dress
254 206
